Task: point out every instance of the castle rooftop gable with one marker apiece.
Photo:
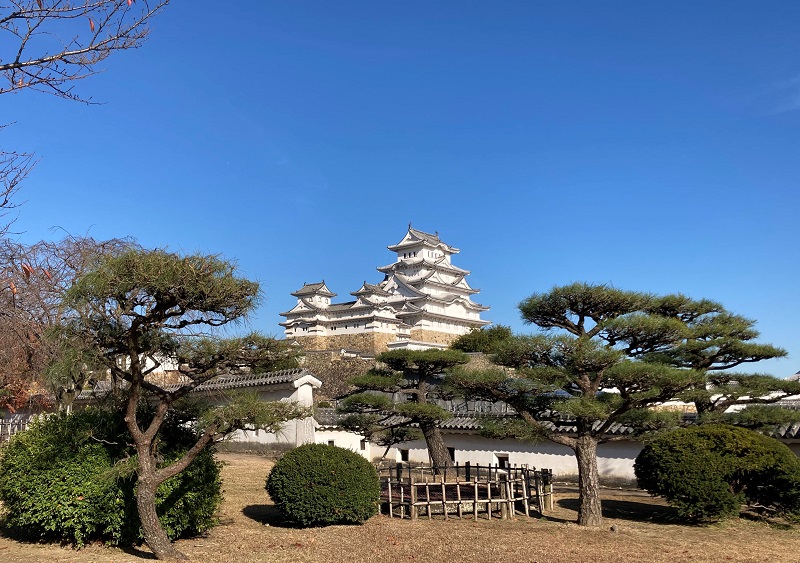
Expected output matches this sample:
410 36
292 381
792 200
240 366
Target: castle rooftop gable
318 288
415 237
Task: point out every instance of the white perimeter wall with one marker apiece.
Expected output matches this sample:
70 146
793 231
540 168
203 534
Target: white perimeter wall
348 441
614 459
293 432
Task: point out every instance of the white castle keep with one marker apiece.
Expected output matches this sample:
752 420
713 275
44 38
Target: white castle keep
424 301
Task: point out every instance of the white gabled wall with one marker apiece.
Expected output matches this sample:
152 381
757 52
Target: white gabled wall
348 441
293 432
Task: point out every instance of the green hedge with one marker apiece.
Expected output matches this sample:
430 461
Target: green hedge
319 485
71 478
707 472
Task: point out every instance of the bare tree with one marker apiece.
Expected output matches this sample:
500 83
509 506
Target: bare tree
33 281
14 167
58 42
47 45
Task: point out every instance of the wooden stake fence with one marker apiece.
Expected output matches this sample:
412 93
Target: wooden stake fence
9 427
494 492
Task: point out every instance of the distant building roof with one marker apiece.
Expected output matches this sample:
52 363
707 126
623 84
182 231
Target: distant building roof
225 382
318 288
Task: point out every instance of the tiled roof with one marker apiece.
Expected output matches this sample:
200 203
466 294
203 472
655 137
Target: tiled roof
432 239
240 381
314 289
330 418
371 289
786 431
425 236
473 421
219 383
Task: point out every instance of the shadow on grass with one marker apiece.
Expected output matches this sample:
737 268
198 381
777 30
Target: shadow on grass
630 510
137 551
32 539
774 522
268 515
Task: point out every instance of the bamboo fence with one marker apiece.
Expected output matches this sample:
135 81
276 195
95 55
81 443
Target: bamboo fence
479 491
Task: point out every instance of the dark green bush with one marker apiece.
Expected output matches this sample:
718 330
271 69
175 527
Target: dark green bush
319 485
707 472
71 478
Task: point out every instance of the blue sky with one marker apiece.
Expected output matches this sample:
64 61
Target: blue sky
654 147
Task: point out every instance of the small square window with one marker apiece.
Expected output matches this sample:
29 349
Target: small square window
502 461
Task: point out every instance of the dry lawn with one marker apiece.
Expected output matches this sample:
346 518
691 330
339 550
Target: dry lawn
251 531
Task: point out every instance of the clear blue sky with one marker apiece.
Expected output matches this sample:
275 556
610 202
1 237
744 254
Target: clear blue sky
650 146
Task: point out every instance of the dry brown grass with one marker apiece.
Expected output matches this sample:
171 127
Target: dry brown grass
251 531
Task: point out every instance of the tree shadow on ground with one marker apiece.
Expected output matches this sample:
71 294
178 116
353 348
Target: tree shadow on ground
268 515
19 536
137 551
631 510
773 521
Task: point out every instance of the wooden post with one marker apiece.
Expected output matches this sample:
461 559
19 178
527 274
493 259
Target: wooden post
526 493
475 501
458 497
444 500
466 470
389 487
428 499
504 496
539 492
414 513
489 496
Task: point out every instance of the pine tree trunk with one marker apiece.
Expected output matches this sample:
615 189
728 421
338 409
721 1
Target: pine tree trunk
440 457
590 512
154 534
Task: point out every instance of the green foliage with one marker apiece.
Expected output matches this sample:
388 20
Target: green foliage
762 417
482 339
422 363
244 410
320 485
197 283
71 478
570 307
415 375
377 381
708 471
503 428
422 412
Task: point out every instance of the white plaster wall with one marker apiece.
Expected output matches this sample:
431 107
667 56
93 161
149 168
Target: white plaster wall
614 459
292 432
346 440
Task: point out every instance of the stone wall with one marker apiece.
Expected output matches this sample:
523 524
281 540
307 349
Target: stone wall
432 336
374 342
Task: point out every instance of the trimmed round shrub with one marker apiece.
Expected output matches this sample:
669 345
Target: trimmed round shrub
320 485
707 472
71 478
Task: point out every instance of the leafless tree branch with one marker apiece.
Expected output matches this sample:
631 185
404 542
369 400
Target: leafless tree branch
60 41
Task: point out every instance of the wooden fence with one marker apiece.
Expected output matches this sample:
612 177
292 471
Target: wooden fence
10 426
459 490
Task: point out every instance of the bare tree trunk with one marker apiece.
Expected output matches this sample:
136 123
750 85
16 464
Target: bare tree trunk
146 485
436 447
590 512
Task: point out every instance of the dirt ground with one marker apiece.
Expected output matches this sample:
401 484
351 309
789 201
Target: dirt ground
644 529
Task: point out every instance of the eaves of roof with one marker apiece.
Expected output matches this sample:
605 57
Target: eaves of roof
225 382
